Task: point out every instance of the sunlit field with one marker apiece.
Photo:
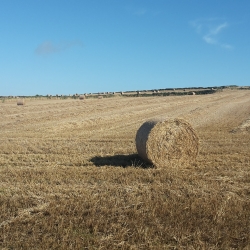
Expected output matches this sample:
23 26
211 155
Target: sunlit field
70 176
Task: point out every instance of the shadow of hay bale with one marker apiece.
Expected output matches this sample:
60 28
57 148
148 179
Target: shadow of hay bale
124 161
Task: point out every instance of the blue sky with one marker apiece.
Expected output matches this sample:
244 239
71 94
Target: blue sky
87 46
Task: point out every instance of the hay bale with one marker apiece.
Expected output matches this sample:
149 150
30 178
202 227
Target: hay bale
162 142
20 102
82 97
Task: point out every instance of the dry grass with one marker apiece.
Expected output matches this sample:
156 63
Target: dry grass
166 141
70 177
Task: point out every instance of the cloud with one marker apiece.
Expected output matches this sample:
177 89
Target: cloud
48 47
218 28
210 30
209 39
211 35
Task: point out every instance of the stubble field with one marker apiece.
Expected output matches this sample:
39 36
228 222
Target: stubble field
70 177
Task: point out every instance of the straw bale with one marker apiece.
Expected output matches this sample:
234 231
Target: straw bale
20 102
82 97
162 142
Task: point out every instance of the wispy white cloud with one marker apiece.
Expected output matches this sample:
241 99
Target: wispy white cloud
211 35
219 28
208 39
48 47
210 30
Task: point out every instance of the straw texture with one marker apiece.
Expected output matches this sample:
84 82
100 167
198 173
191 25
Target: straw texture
20 102
162 142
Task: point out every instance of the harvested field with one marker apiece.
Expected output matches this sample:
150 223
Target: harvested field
70 176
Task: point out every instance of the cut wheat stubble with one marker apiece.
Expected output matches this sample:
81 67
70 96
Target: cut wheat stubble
163 142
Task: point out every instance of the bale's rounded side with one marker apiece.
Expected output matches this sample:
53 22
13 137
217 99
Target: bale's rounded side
20 102
162 142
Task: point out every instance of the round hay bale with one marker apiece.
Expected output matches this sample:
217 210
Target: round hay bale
20 102
162 142
82 97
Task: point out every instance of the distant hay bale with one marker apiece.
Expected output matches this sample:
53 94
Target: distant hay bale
82 97
100 97
162 142
20 102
